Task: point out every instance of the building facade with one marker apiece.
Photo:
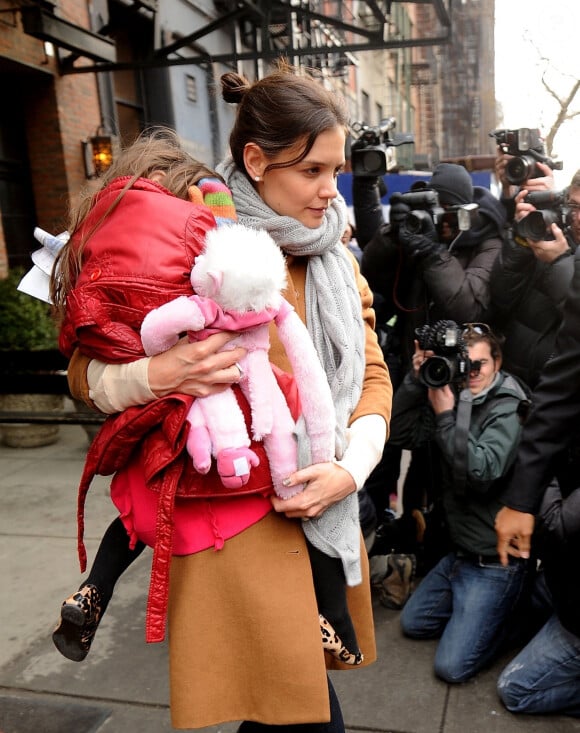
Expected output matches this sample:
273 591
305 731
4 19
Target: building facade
75 70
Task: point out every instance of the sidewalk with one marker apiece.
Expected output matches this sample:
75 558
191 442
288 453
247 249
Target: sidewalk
122 687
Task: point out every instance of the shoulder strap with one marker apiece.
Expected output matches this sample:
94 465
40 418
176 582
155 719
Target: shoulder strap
462 423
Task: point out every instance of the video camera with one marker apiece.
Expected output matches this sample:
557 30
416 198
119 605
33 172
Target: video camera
551 209
373 152
451 360
426 212
527 145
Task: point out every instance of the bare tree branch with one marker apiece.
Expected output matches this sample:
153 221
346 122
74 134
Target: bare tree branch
564 112
564 102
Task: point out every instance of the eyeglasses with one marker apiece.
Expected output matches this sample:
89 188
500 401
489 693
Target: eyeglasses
573 208
481 329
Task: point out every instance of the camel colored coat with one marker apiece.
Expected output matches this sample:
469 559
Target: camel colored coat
244 638
243 622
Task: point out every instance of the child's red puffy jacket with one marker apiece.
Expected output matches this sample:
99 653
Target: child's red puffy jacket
138 256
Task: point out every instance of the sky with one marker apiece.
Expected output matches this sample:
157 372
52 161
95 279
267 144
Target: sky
526 30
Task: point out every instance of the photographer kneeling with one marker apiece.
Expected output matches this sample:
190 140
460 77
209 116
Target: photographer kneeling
471 413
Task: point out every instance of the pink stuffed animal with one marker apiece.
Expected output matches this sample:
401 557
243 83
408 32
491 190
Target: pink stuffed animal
238 281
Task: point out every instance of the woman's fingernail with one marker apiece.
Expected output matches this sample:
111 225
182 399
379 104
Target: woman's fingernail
286 482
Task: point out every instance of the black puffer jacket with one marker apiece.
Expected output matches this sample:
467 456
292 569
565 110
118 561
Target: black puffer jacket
552 426
558 540
446 284
527 301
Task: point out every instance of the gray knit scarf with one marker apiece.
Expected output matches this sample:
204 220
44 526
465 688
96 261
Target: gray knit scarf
334 321
333 307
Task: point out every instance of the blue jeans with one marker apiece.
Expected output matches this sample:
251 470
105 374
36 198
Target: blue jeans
545 675
466 603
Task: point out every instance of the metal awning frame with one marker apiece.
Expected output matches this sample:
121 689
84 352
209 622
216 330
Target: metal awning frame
262 14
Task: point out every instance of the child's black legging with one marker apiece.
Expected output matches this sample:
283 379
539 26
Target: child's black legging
335 725
112 559
330 591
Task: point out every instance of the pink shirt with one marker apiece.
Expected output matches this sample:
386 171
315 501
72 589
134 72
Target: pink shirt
198 523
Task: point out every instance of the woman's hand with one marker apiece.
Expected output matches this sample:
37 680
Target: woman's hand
199 368
326 483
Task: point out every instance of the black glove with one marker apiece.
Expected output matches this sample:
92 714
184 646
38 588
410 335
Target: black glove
367 208
419 245
397 214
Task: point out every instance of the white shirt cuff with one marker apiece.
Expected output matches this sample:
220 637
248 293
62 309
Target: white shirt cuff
366 441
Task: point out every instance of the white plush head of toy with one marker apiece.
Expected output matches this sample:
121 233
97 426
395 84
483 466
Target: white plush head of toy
241 269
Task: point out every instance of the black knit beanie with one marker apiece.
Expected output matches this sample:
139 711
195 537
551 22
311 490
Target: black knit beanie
453 184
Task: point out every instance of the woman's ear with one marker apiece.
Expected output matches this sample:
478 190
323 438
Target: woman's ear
255 161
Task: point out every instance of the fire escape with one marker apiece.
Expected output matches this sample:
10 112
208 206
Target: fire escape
259 30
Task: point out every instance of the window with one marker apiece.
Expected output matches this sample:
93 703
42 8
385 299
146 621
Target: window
366 108
16 198
191 88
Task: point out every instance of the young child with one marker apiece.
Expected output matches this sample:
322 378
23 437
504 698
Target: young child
131 248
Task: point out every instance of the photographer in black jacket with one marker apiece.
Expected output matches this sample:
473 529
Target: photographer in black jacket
437 273
545 676
532 274
421 277
550 427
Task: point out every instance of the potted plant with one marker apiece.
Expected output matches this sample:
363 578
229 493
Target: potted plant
26 325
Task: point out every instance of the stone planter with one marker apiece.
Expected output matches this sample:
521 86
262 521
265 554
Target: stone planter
90 430
29 435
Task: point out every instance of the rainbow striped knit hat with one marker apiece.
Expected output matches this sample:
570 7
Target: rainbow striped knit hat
217 197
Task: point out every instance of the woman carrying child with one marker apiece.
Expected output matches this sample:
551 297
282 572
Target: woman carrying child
243 623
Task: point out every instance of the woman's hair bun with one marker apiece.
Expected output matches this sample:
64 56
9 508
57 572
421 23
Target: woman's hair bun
234 87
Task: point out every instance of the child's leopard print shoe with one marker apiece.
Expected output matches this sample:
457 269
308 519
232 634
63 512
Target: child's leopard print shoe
332 643
80 615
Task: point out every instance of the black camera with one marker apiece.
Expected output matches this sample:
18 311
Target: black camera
551 209
527 145
373 152
426 212
451 360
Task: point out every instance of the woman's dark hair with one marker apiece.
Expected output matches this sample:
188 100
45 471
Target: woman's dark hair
280 110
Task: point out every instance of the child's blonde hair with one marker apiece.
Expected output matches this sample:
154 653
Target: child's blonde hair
156 152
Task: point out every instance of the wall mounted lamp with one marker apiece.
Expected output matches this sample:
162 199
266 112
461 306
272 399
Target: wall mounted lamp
98 154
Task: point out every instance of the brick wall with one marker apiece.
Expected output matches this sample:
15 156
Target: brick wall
60 111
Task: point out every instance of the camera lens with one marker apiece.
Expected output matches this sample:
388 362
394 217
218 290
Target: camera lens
412 223
417 222
437 371
536 225
370 162
519 169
